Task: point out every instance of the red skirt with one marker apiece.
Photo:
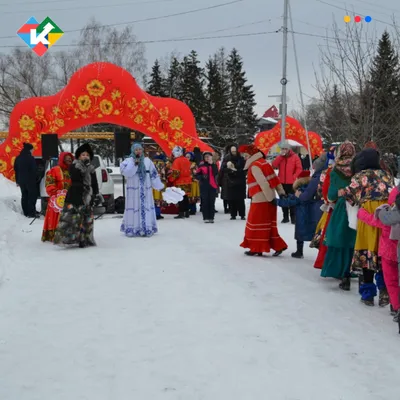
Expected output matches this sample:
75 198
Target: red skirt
50 224
319 262
261 234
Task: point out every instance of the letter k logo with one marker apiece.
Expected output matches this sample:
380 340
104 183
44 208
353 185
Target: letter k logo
41 38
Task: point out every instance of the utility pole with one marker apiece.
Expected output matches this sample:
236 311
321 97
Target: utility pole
284 70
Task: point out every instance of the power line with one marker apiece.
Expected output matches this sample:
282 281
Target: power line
226 29
35 2
393 10
149 19
91 7
160 40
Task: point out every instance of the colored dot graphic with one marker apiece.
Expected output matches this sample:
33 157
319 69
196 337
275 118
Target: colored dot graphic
357 18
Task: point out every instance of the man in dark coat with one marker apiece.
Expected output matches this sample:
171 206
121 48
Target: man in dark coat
232 179
25 176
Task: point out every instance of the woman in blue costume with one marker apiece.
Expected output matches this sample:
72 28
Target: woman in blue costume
142 178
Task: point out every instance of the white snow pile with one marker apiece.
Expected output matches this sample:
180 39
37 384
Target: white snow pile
10 215
10 196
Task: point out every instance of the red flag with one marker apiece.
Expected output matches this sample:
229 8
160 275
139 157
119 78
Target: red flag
272 112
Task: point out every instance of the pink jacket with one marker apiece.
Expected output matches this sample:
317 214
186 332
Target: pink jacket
387 247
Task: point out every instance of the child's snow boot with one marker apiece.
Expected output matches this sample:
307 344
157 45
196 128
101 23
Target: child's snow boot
368 292
383 293
396 317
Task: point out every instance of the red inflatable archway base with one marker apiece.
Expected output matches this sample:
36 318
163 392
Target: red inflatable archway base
294 131
99 93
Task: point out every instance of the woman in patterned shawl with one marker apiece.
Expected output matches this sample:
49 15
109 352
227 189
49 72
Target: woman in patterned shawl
369 189
340 238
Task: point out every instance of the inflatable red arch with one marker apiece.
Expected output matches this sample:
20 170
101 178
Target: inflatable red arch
294 131
99 93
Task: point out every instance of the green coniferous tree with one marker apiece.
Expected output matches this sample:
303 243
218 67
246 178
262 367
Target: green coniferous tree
217 118
156 85
384 90
192 88
242 99
173 82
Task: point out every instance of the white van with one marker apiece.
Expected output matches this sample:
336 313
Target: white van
104 179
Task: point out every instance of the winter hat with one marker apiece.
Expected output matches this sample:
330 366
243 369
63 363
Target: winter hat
304 174
191 155
207 153
84 148
177 151
28 146
320 163
367 159
160 156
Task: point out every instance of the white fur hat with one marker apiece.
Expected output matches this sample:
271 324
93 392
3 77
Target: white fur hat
177 151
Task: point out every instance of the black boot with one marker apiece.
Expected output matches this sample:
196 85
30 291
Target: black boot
299 253
187 214
345 284
252 254
181 215
159 217
278 253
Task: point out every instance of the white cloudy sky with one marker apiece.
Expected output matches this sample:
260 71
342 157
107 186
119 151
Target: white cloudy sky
262 53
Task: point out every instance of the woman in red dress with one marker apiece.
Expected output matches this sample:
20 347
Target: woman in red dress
261 234
58 182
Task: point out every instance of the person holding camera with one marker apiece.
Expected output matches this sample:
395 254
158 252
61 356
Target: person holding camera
142 177
76 221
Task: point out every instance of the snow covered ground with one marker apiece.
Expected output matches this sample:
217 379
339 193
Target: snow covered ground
182 315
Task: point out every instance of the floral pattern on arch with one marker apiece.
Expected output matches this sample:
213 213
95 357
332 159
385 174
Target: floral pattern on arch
294 131
99 93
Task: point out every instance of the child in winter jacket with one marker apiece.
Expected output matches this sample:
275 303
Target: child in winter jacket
391 216
207 176
308 208
388 253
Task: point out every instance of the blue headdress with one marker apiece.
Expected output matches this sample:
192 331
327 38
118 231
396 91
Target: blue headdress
141 166
191 155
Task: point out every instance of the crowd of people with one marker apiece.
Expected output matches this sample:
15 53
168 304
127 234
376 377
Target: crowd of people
346 205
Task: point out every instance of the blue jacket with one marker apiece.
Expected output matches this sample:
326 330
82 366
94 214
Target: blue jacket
308 207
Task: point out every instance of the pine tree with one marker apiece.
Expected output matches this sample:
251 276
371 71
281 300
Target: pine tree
334 117
192 89
156 84
384 84
242 99
173 82
217 118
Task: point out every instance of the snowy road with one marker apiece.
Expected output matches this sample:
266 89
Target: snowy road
184 315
